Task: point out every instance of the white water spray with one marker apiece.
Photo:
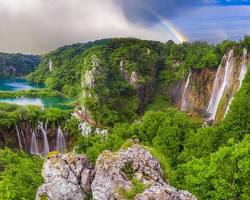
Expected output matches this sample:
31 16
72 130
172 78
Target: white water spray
243 70
33 145
18 137
45 139
184 94
60 141
220 87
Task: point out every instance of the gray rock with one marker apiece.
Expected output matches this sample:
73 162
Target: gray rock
164 192
110 176
65 177
70 176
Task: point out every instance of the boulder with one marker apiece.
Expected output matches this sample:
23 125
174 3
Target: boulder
117 170
66 176
72 177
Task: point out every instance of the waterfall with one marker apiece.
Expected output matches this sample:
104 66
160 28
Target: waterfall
184 94
18 137
222 81
33 146
45 139
243 70
60 141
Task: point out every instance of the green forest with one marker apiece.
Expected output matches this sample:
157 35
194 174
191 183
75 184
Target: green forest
211 162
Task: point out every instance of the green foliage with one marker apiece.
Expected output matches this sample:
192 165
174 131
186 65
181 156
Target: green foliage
17 64
45 92
181 58
12 114
224 174
19 175
137 188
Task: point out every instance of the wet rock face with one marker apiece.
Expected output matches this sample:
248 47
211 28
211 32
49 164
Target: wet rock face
200 89
198 92
66 176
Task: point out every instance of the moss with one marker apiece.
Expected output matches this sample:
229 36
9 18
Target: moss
137 188
221 108
44 197
129 171
53 153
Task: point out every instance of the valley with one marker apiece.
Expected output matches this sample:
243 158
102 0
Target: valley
186 105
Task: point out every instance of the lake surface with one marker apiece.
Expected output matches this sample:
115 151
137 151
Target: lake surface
16 85
22 84
44 102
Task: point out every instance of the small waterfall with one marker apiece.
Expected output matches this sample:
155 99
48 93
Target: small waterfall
45 139
243 70
33 146
222 80
184 94
60 141
19 137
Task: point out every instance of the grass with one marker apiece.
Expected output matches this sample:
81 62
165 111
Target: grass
137 188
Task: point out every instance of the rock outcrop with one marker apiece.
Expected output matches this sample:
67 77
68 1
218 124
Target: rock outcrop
116 170
71 176
66 176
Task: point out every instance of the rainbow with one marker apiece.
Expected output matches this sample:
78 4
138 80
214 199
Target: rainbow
169 26
174 31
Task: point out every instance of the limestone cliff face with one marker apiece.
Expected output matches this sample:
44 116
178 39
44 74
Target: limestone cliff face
198 91
209 92
71 176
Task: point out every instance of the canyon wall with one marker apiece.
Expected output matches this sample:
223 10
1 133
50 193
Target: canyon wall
209 92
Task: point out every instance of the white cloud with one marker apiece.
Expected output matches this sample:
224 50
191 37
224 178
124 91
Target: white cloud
35 26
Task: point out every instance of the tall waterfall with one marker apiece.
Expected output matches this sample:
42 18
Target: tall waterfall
19 137
222 81
184 94
45 139
60 141
243 71
33 145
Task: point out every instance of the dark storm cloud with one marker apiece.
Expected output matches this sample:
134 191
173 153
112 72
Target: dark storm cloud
140 11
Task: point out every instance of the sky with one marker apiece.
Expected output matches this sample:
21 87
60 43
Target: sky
39 26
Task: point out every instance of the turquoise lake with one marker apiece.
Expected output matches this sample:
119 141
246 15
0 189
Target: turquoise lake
22 84
16 84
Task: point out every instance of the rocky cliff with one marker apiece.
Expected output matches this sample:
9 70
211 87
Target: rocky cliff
114 176
209 92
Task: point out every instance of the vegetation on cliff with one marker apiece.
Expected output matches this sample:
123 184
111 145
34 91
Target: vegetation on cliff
211 162
17 64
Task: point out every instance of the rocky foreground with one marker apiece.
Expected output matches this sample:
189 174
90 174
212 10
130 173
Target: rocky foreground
131 173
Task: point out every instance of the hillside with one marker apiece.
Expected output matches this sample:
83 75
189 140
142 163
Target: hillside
17 64
187 105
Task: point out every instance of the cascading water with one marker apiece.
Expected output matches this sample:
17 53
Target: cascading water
184 94
45 139
243 70
33 146
60 141
222 81
19 137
